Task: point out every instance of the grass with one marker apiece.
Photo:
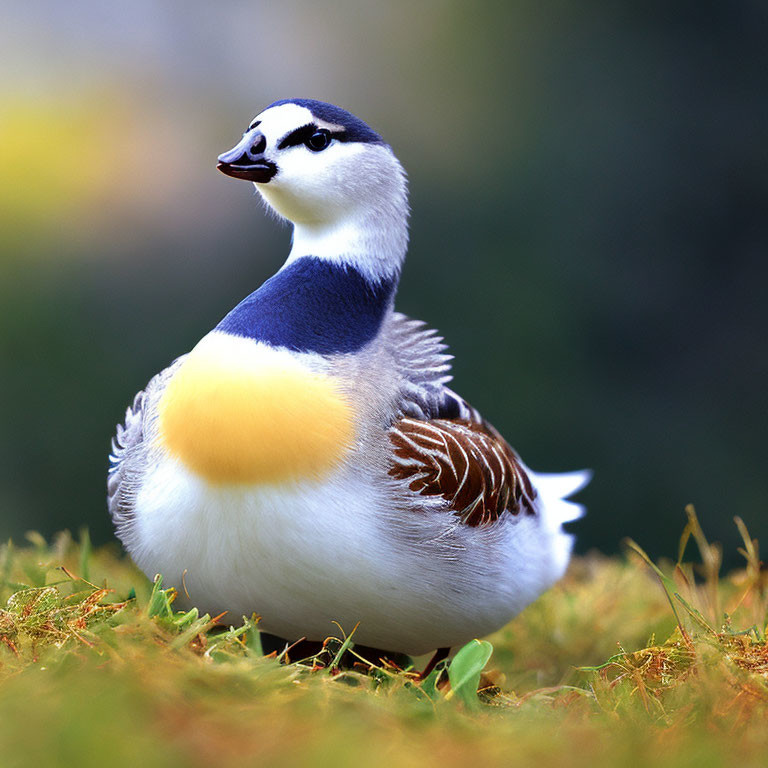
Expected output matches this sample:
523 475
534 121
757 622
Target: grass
623 662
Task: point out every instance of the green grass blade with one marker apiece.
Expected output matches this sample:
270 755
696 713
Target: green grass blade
465 669
85 554
159 600
670 588
253 636
429 684
343 649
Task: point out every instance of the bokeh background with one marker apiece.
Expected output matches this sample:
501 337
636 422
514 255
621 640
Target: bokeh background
589 190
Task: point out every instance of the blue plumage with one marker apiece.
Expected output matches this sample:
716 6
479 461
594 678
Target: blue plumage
313 305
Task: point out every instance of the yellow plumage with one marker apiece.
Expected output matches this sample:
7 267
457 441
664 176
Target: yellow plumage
238 412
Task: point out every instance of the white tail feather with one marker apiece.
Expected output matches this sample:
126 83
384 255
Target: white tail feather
563 485
555 488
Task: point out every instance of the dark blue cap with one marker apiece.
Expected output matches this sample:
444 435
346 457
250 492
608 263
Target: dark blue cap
354 128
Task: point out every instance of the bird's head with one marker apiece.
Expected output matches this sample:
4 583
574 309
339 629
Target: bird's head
326 171
313 161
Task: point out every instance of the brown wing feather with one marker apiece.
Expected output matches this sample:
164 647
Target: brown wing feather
467 463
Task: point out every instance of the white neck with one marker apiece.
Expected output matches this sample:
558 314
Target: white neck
375 243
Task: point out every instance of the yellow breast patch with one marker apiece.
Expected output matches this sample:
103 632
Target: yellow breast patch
240 412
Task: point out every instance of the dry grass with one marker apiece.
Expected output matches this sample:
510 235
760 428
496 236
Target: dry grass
621 663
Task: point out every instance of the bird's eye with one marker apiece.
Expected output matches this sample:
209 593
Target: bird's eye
318 141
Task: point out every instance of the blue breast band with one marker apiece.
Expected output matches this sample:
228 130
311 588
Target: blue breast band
313 306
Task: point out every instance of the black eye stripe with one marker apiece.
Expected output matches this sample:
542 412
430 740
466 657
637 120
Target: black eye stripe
254 124
300 135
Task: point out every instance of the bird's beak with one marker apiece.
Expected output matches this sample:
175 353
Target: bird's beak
247 161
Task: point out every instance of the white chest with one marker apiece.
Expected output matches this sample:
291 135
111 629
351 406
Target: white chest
307 555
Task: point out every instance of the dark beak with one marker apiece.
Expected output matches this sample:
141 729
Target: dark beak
246 160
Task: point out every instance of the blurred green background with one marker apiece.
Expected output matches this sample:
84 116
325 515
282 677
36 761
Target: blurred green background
589 188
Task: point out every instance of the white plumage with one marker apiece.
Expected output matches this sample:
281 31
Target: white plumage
419 522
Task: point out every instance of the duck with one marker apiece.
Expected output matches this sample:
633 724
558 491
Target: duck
307 460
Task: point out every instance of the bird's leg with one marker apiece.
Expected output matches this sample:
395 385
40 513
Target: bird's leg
439 655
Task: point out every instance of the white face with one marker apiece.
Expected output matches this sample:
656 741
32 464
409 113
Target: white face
318 179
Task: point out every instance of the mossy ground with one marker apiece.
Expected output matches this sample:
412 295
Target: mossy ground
617 665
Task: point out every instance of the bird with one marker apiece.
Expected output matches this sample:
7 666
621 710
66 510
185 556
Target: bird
306 460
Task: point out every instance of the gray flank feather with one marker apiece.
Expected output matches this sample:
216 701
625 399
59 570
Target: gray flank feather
424 368
130 449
